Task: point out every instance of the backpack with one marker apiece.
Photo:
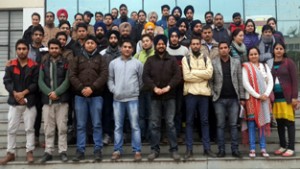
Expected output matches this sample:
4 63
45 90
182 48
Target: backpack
188 59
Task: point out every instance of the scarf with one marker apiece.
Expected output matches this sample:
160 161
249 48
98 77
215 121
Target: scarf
241 50
255 108
114 52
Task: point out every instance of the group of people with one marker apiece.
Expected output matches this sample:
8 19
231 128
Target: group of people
96 77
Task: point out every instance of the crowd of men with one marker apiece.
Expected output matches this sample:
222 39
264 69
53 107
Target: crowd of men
94 83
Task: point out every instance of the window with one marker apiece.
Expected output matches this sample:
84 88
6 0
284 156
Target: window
227 8
69 5
136 6
200 6
11 25
155 5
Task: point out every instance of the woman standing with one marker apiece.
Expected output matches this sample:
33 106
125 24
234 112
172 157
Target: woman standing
284 72
251 37
237 48
258 82
277 35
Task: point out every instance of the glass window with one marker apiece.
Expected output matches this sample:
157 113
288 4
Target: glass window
69 5
288 10
155 5
93 6
257 9
136 6
227 8
200 6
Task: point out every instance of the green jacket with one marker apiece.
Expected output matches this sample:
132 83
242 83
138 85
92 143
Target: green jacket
144 55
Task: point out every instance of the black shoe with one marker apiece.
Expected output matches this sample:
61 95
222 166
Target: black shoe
175 156
79 156
63 157
237 154
153 155
209 153
188 154
98 155
221 153
46 157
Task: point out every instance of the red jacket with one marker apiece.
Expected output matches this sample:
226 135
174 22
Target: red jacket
233 27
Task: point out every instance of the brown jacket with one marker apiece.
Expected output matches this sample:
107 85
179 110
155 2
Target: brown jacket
88 71
213 52
50 33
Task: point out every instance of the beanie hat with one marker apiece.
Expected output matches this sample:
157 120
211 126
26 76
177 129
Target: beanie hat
115 33
194 23
236 14
187 8
180 21
100 24
160 37
91 37
62 11
172 30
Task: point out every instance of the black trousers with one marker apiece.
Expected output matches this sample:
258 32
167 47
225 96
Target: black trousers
290 125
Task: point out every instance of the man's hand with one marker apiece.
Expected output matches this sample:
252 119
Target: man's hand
166 89
52 95
87 91
158 91
18 95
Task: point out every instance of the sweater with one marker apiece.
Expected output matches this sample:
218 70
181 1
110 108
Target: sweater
251 40
221 34
125 79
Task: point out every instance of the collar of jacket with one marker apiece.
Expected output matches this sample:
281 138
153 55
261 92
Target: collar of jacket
175 47
30 62
166 55
213 42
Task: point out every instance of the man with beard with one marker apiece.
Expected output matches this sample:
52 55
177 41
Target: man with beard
162 75
88 76
149 28
209 18
82 33
140 23
78 18
196 27
197 71
219 32
189 15
62 15
87 17
237 22
98 17
49 28
21 82
108 20
178 51
100 31
126 32
165 11
266 44
114 13
177 12
183 26
123 16
109 54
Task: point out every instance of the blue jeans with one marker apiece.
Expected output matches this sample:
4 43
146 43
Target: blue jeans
160 107
229 107
197 104
144 112
119 115
262 138
83 108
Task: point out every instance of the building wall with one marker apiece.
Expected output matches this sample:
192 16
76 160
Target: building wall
17 4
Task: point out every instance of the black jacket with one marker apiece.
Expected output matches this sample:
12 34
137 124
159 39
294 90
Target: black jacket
14 81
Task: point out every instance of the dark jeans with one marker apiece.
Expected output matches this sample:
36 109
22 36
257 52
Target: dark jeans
229 108
197 104
160 107
290 125
38 118
144 112
107 115
179 109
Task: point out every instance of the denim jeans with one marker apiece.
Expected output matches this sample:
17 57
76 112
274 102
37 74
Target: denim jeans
252 133
120 108
160 107
83 108
229 108
197 104
144 112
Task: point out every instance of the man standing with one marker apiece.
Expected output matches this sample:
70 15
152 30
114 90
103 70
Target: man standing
189 15
162 75
219 32
183 27
62 15
209 46
209 18
98 17
54 85
87 17
35 20
20 81
228 93
108 20
123 16
65 26
165 11
100 32
82 33
115 13
197 71
88 75
140 24
196 28
49 28
237 22
125 72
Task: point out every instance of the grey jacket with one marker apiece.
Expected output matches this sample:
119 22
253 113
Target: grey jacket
236 76
125 79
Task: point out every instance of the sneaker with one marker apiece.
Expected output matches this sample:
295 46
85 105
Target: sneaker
288 153
116 155
46 157
79 156
106 139
252 154
63 157
221 153
153 155
264 153
137 156
279 151
175 156
98 155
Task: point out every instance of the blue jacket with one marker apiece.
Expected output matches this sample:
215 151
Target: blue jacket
163 22
119 21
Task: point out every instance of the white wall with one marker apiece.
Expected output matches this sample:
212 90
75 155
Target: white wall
27 12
